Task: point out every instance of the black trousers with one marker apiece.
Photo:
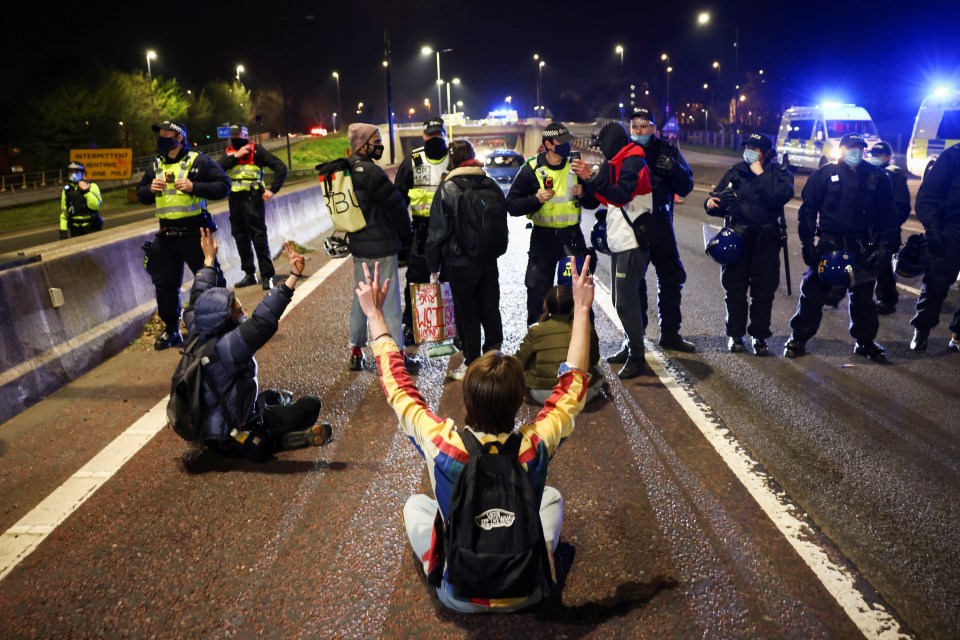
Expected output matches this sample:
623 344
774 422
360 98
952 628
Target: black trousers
476 302
248 225
547 247
168 254
77 230
417 272
757 273
276 415
665 258
864 322
886 290
941 273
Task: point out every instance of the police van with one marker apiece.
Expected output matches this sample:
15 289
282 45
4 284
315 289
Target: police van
810 136
936 128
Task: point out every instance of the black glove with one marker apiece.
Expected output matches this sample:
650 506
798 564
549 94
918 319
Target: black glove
665 163
729 202
872 260
934 242
64 235
810 254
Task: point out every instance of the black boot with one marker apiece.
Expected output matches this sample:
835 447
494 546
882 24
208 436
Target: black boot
919 341
677 343
760 347
620 356
794 348
633 368
870 350
735 345
247 281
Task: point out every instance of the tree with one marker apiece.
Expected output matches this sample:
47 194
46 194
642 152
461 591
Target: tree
219 103
269 105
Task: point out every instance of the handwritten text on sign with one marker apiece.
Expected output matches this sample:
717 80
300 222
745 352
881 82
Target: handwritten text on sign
434 318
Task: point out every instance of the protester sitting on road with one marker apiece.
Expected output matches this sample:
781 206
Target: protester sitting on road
544 348
493 391
237 420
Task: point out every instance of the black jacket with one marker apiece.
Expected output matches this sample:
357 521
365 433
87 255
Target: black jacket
261 158
938 200
841 202
522 197
442 242
678 180
759 199
387 221
901 193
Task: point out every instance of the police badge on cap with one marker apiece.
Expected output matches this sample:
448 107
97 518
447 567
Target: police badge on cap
557 132
434 125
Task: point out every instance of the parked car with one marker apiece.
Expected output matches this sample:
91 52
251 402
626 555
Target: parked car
503 165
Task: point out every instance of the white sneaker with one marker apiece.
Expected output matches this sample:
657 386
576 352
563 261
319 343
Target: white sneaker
458 373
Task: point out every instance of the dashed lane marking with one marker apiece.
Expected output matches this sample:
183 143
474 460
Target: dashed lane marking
872 620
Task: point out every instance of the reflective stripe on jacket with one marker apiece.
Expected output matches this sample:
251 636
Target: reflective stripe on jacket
427 174
173 204
562 210
244 177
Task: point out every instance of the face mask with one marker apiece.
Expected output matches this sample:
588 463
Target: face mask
875 161
853 157
377 152
435 148
562 150
75 177
236 143
641 140
164 145
750 156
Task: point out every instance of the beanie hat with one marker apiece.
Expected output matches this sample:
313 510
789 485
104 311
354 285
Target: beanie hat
359 134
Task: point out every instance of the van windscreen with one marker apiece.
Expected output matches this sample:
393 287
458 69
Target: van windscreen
949 126
799 129
837 128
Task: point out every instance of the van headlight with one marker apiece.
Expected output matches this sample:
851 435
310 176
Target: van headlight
834 153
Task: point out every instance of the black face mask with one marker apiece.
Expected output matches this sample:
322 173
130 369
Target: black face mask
236 143
164 145
562 150
435 148
377 152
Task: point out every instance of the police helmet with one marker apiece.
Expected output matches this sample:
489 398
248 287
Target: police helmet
76 166
726 247
564 273
836 269
910 260
598 237
336 247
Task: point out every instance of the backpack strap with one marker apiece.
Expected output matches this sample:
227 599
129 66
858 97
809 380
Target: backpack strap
511 447
216 392
473 446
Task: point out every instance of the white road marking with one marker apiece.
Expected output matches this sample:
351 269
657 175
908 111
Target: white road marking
872 620
22 538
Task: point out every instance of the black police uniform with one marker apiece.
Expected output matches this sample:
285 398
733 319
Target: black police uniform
938 208
248 215
886 291
850 211
178 240
752 206
670 175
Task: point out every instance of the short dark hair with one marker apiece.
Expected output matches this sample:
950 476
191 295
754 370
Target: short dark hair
493 391
460 151
558 301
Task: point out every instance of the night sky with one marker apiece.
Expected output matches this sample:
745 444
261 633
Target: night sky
883 55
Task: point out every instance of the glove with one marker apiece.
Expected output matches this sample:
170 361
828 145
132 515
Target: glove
810 254
729 202
934 242
665 163
64 235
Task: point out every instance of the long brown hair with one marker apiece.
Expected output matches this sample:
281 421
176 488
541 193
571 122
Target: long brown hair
558 301
493 391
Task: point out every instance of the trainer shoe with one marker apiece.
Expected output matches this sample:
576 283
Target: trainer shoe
870 350
168 339
458 373
633 368
248 281
885 309
356 359
620 356
411 364
267 283
794 348
954 344
677 343
760 347
316 436
735 345
919 341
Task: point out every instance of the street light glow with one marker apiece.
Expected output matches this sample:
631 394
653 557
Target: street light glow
619 49
240 70
703 18
716 65
426 50
664 57
336 75
455 81
536 56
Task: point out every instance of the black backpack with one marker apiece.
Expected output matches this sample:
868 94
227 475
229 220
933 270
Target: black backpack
185 406
493 538
481 220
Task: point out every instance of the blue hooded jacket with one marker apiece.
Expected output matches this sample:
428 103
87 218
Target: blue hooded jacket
234 372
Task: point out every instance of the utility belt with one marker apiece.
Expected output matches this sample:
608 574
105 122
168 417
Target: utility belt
183 227
757 233
556 231
857 244
254 191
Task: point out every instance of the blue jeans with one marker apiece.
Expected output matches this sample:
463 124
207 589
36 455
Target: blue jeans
391 306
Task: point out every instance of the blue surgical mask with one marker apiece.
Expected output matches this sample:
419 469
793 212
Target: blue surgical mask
641 140
75 177
562 150
875 161
750 156
853 157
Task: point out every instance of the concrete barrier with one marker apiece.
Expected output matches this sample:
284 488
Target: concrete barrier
69 306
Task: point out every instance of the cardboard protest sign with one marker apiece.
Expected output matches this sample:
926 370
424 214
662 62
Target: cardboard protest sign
433 315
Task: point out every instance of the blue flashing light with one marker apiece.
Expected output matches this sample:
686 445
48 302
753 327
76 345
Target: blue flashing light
941 91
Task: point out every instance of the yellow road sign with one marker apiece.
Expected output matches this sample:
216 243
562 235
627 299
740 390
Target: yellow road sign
105 164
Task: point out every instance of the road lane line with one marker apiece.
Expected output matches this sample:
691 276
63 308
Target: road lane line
872 620
22 538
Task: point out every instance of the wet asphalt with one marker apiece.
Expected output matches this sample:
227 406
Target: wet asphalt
660 538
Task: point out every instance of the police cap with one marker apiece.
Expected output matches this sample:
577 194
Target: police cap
850 140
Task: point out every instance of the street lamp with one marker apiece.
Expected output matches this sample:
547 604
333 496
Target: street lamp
411 112
427 51
334 121
449 106
540 67
666 58
359 108
336 76
151 55
240 70
619 50
703 18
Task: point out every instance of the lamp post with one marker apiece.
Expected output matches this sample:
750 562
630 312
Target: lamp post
151 55
540 88
619 50
666 58
336 76
427 51
703 19
240 70
449 105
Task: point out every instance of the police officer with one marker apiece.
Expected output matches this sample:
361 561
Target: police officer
938 208
848 203
79 204
244 162
418 177
671 176
887 296
551 196
179 182
750 197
